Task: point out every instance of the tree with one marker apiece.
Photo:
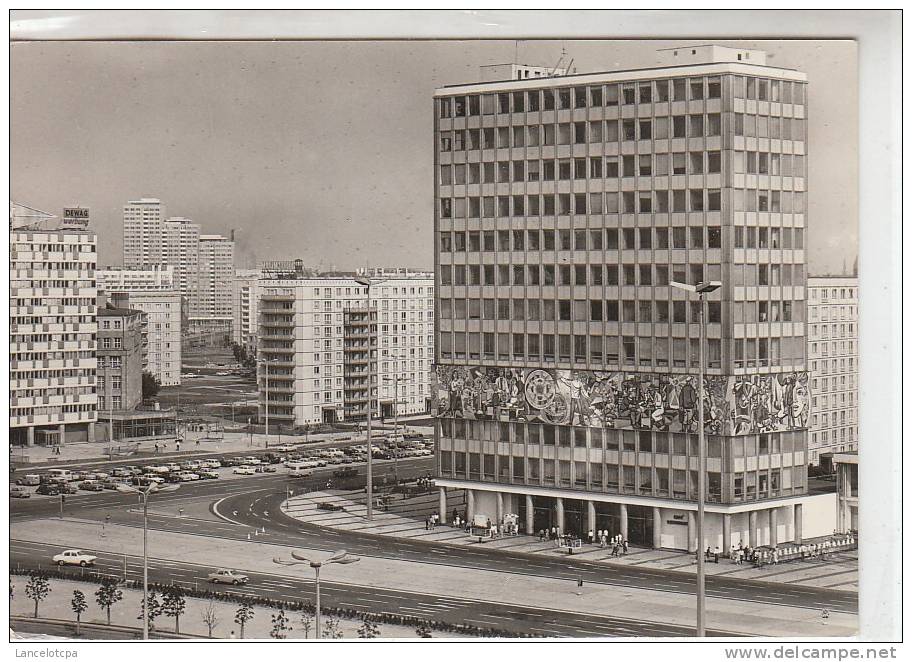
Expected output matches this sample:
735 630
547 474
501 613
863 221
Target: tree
155 609
37 589
280 626
210 618
368 629
307 620
150 385
107 595
174 604
423 631
243 615
332 629
79 605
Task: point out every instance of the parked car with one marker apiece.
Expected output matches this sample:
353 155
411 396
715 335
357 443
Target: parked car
232 462
19 492
49 489
285 448
91 486
112 483
244 470
224 576
74 557
266 468
174 466
32 480
121 472
186 476
208 474
153 478
252 459
211 464
99 475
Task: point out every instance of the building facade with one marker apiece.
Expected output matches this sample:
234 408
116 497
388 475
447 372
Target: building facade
216 271
181 250
53 324
154 278
142 232
327 354
566 364
846 467
244 295
164 342
120 358
833 359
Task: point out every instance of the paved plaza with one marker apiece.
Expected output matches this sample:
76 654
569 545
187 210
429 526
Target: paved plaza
406 519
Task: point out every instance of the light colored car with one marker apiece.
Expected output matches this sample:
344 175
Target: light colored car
74 557
284 448
19 492
33 480
252 460
224 576
173 467
208 473
188 476
244 470
154 478
211 464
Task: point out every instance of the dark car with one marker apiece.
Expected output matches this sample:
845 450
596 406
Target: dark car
51 489
232 462
347 472
273 458
265 468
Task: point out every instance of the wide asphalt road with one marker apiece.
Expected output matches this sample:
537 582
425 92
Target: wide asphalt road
516 619
254 501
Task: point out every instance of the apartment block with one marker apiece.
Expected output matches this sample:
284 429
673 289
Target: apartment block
833 357
181 250
244 306
148 279
142 232
566 363
53 325
328 354
164 342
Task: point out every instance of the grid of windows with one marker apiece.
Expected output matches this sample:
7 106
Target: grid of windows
572 209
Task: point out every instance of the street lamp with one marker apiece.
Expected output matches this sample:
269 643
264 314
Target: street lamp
144 494
700 290
339 557
366 282
395 380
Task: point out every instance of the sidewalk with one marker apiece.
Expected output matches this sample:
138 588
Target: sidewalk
637 604
839 571
42 457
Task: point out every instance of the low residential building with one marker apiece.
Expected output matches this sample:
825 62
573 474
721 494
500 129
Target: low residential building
832 338
120 358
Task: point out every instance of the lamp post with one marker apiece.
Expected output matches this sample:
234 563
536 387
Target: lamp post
395 380
366 282
700 290
144 495
341 556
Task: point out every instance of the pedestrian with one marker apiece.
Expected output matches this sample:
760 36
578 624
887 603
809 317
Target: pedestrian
614 550
591 537
455 514
156 448
541 535
626 547
177 445
716 555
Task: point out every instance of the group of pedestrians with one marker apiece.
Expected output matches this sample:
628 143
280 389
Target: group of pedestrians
790 552
432 521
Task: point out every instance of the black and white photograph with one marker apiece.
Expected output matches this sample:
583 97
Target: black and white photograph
331 325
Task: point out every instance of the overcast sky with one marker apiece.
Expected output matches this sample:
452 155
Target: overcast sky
323 150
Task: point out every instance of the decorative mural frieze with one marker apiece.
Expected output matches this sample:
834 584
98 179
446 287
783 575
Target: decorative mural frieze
624 400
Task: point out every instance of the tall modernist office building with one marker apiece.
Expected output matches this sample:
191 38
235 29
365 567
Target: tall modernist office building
53 330
833 358
566 364
327 354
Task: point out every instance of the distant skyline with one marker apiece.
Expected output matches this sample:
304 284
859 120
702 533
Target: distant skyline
323 150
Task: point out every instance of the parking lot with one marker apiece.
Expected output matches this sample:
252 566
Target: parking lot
348 457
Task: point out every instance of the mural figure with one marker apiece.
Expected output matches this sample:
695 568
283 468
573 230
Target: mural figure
663 402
